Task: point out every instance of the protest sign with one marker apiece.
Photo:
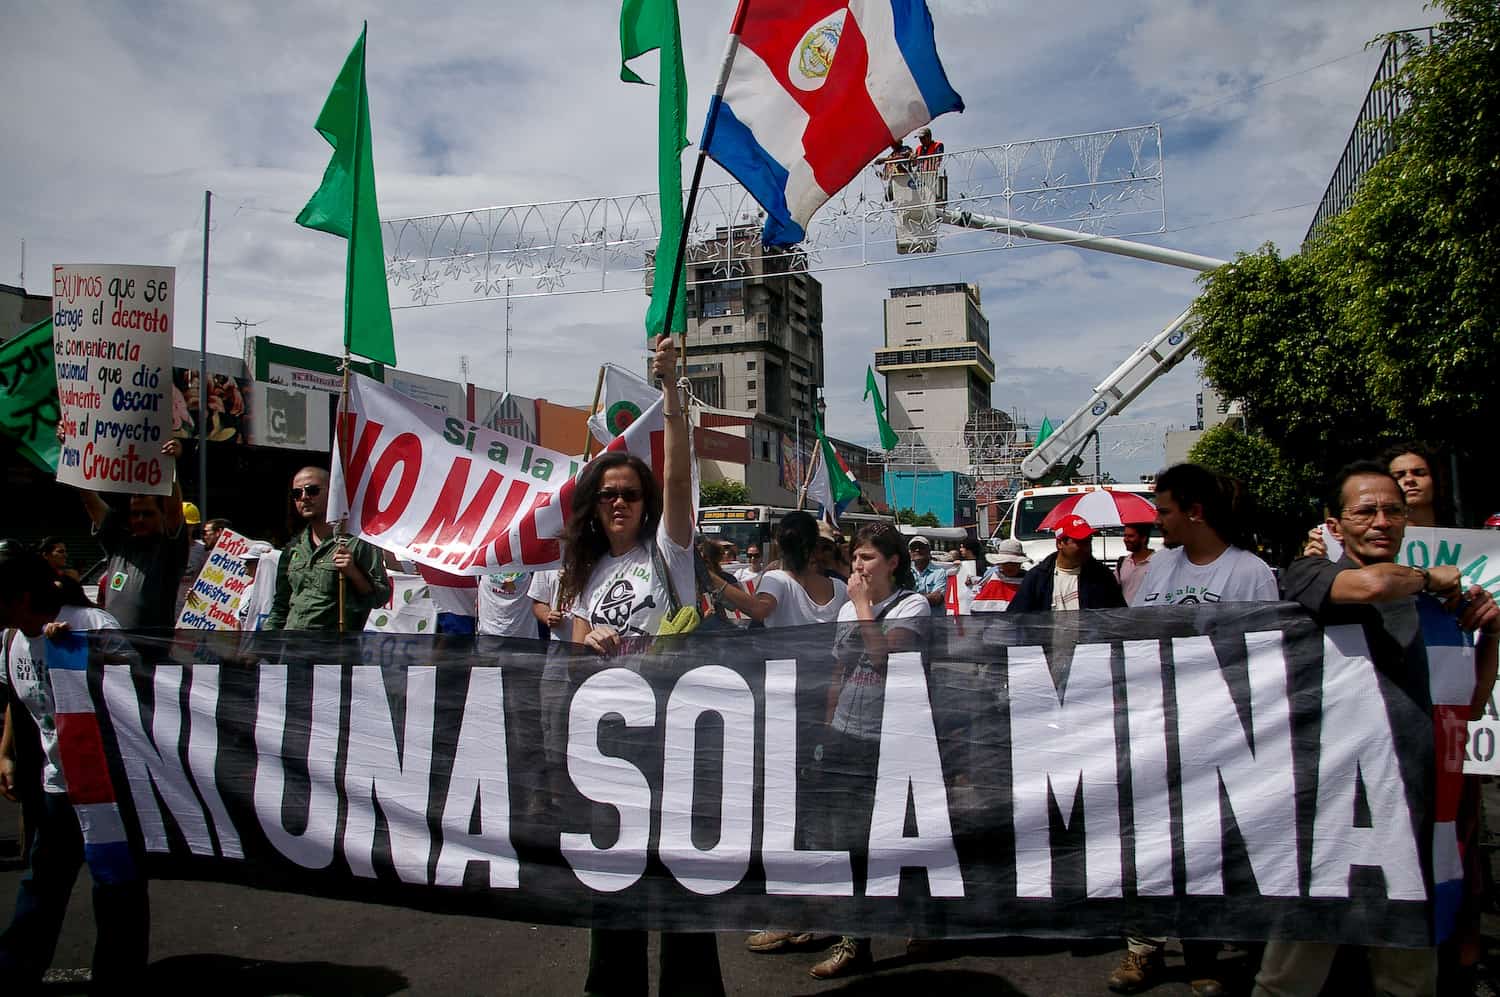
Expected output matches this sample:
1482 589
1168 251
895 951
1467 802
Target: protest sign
213 603
112 345
1225 771
451 494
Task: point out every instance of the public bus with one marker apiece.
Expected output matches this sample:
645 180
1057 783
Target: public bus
1032 505
745 525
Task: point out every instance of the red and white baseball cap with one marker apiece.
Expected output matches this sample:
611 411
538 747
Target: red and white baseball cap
1075 528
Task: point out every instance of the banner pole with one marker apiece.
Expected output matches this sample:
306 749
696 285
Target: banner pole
338 431
679 261
588 440
812 468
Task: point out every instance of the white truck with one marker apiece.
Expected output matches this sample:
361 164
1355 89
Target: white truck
1032 505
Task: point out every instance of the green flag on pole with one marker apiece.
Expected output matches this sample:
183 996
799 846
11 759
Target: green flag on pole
1044 431
646 25
28 395
888 437
844 489
344 205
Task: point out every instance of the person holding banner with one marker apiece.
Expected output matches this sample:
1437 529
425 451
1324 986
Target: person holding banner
627 566
32 603
308 571
1366 587
884 615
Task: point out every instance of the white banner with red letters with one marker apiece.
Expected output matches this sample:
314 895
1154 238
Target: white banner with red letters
451 494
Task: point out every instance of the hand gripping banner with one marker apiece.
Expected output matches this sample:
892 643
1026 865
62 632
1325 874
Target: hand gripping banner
1228 772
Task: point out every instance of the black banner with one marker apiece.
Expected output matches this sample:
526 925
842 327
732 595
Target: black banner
1227 772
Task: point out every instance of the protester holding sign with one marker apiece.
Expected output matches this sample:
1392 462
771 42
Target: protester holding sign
627 566
1366 587
30 602
885 614
307 575
147 553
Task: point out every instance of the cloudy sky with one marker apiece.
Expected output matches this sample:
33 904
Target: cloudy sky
119 115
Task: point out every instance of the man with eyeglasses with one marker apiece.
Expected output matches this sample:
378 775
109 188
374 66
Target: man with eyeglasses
308 573
1368 516
148 552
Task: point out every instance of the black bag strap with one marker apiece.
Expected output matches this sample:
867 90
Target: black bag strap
659 565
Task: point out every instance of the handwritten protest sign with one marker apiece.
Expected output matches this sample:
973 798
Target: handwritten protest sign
112 344
214 601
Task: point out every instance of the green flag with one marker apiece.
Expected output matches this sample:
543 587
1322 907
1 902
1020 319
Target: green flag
888 437
1044 431
647 25
843 487
344 205
28 395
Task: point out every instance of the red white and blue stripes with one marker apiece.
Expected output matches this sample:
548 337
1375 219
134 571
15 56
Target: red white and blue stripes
85 768
817 89
1450 676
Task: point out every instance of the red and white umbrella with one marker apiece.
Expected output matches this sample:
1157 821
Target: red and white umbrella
1101 507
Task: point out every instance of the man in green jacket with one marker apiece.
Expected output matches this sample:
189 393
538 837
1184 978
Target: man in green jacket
307 576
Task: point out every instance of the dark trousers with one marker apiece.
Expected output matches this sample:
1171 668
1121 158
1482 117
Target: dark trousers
122 913
617 965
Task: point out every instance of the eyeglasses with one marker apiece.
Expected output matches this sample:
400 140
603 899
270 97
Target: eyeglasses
311 491
607 496
753 552
1364 515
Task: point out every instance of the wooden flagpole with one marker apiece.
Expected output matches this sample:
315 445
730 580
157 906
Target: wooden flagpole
588 441
339 448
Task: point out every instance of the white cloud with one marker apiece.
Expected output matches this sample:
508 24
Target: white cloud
120 115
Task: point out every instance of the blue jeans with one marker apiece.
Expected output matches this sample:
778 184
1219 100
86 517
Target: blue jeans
122 912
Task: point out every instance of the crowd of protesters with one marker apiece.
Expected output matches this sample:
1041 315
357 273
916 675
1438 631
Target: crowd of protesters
633 569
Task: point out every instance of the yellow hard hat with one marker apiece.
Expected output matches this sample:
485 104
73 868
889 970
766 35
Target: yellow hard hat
190 514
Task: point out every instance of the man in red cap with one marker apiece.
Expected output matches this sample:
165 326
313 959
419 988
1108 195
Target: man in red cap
1070 578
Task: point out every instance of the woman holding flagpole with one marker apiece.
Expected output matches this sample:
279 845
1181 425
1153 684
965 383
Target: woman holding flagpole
627 560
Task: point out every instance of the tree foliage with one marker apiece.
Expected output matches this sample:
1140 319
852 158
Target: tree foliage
723 493
910 517
1280 493
1388 324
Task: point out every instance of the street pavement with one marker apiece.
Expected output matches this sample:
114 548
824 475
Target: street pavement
233 940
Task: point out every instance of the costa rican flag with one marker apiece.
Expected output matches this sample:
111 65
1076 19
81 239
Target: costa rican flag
816 90
1450 675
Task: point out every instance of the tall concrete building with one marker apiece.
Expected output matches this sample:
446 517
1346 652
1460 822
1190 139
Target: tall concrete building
937 365
754 331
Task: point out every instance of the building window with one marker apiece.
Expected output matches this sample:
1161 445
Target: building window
750 385
762 329
750 365
750 404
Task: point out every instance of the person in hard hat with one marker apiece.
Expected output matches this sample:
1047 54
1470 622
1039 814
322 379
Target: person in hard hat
197 554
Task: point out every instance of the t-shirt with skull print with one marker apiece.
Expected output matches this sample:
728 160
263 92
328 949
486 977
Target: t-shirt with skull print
624 592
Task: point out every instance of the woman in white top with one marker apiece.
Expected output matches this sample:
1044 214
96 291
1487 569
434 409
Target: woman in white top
627 562
884 615
798 592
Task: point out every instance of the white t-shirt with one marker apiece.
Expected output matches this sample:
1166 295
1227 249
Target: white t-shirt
794 607
544 590
1065 587
505 605
862 693
1234 576
26 673
623 592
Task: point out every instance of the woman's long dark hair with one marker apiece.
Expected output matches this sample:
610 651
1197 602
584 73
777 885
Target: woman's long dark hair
583 539
889 541
797 536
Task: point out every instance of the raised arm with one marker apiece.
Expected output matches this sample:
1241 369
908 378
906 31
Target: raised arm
677 473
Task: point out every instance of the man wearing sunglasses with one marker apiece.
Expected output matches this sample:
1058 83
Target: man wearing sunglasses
1367 514
307 576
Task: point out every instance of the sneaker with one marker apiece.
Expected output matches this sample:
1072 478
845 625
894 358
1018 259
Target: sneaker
848 955
1136 971
776 941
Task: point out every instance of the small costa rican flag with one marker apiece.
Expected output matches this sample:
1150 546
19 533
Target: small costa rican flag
1450 676
85 770
816 90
